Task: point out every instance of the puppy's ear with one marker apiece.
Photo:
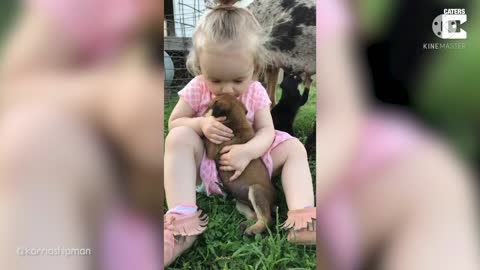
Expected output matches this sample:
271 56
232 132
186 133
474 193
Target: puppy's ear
212 103
217 107
218 111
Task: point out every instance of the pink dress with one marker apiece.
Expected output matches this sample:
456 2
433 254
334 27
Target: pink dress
255 98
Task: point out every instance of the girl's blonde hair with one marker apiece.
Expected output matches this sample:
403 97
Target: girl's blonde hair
227 24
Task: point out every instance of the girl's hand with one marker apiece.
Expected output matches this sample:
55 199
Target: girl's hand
215 131
234 158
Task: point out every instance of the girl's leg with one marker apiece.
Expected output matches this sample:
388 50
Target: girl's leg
58 180
183 223
290 157
421 211
183 154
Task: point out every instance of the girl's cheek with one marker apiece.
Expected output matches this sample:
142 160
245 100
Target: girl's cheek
212 88
245 87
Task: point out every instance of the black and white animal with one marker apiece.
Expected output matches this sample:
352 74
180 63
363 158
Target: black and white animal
290 25
283 114
292 37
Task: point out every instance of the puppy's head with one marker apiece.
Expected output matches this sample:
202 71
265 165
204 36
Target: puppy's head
228 106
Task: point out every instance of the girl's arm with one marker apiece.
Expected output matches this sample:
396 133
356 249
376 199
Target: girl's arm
264 134
182 115
208 126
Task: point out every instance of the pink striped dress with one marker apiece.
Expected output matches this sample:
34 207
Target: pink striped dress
197 95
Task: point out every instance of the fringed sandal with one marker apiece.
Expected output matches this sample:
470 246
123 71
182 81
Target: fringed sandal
301 223
180 232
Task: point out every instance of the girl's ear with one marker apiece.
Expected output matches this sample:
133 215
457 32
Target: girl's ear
256 72
244 108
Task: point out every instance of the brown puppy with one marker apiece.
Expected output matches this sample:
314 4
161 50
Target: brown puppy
253 188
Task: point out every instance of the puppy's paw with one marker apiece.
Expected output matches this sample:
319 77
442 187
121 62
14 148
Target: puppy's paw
254 229
243 226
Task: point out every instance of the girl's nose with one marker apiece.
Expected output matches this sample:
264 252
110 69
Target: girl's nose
227 89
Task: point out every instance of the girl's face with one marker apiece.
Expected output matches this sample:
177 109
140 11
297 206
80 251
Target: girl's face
227 70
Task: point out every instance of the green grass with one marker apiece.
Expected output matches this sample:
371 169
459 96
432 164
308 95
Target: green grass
222 246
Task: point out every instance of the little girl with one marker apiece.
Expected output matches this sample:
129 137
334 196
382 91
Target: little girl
227 56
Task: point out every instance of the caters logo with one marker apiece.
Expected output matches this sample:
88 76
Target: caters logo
448 24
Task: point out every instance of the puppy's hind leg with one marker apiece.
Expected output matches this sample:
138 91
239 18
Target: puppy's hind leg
258 197
245 210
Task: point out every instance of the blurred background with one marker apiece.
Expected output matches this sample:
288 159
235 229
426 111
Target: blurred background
81 95
441 87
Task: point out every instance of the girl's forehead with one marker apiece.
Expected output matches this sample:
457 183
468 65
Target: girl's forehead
229 46
241 53
226 64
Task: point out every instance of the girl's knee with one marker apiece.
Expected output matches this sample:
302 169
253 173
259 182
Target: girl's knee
288 150
182 136
296 147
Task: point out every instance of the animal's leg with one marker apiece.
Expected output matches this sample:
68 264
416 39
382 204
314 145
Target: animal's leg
272 77
306 90
258 197
308 80
245 210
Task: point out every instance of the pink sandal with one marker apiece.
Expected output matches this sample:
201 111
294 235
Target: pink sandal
180 232
301 223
